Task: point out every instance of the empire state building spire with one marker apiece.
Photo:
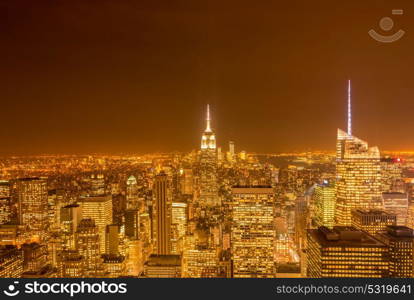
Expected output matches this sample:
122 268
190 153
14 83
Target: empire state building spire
349 109
208 127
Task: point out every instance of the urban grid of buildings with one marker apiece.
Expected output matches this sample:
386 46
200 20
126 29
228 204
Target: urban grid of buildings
210 213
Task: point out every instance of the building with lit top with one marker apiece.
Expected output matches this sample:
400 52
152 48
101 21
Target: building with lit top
358 174
132 193
208 186
253 231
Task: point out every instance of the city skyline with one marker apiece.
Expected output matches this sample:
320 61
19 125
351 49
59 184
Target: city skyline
107 72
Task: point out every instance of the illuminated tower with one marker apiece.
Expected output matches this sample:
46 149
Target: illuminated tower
208 166
358 174
32 195
253 232
132 193
162 215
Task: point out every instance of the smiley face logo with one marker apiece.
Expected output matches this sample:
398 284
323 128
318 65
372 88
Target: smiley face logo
11 290
386 24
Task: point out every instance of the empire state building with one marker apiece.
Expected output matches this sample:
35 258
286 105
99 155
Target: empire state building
208 166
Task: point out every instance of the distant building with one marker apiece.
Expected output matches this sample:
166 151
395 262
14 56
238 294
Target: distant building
132 193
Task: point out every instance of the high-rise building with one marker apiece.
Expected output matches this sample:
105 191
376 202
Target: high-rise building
70 216
397 204
345 252
112 240
163 266
187 181
132 193
178 224
32 197
400 241
88 244
253 232
162 215
99 209
325 202
208 187
358 174
132 223
372 221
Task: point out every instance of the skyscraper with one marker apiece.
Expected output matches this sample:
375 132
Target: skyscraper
99 209
32 196
253 232
87 243
208 166
178 224
162 215
324 199
358 174
132 193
